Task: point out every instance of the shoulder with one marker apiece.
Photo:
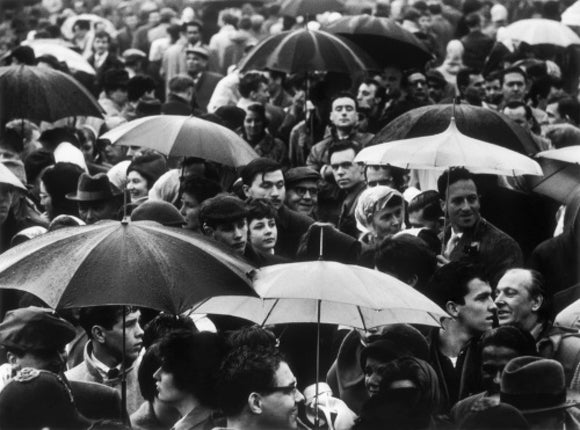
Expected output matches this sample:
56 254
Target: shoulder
78 373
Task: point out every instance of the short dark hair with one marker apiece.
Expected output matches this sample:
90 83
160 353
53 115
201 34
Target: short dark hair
259 110
147 368
451 176
342 95
258 166
104 316
463 75
569 108
200 188
512 337
163 324
473 20
249 82
193 23
397 173
408 73
449 283
509 70
260 208
138 85
252 337
102 34
405 256
180 83
193 359
342 145
246 370
380 90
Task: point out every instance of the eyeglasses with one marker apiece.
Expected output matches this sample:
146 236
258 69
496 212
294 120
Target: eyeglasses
301 191
290 390
385 182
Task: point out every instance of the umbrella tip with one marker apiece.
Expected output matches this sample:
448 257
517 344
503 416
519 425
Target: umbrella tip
125 220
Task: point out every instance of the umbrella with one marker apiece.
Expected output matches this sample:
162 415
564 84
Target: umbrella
42 94
124 263
571 16
306 51
539 31
73 60
176 135
450 149
67 26
473 121
385 40
309 7
561 173
7 177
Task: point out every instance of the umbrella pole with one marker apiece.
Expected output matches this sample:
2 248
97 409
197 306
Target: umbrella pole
316 401
123 376
445 214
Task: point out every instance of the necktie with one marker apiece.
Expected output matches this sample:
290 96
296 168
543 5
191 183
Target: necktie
453 241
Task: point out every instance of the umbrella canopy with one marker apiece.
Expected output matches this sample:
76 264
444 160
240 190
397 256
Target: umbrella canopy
9 178
473 121
328 292
387 42
177 135
571 16
309 7
67 26
539 31
43 94
124 263
561 173
73 60
450 149
304 51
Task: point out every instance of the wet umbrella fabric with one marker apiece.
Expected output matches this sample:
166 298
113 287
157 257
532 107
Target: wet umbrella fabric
42 94
473 121
539 31
68 24
124 263
309 7
73 60
561 173
181 136
307 51
387 42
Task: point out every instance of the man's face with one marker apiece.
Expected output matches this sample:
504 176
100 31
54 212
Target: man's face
493 93
553 114
119 96
344 114
113 339
366 96
515 304
269 186
274 83
195 63
101 45
232 234
435 90
115 153
425 23
53 361
518 115
190 211
280 408
476 86
261 95
193 35
388 221
6 199
514 87
417 86
347 174
493 361
462 204
379 175
373 371
303 196
392 79
91 212
477 314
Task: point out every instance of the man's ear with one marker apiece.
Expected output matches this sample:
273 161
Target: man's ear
207 230
98 333
537 302
451 308
13 360
412 281
255 403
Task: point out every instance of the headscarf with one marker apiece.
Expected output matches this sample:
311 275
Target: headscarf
371 201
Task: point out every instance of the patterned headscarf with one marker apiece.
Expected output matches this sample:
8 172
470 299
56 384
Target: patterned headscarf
371 201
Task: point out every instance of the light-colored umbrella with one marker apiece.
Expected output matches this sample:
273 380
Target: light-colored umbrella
539 31
67 26
450 149
571 16
182 136
561 173
73 60
9 178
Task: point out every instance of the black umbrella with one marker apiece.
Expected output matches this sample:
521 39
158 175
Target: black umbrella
473 121
41 94
386 41
309 7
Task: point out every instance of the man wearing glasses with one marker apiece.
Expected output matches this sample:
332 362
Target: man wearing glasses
415 86
257 390
302 190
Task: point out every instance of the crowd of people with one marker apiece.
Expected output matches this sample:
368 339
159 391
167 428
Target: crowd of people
500 259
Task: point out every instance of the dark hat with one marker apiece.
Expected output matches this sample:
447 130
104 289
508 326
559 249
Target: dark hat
34 328
232 116
298 174
37 399
150 166
158 210
94 188
534 384
498 417
115 78
222 209
395 341
61 179
24 54
199 51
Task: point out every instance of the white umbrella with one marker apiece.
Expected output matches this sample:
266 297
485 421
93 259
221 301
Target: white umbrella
538 31
568 154
450 149
7 177
73 60
571 16
561 173
68 24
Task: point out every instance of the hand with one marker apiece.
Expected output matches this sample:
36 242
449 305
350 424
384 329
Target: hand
442 261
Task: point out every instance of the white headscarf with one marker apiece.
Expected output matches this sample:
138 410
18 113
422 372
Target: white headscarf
371 201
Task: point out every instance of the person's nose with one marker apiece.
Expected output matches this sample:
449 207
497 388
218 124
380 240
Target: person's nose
492 306
497 378
307 195
275 192
238 232
298 396
138 331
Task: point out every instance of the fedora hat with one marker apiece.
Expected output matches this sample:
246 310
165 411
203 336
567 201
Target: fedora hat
94 188
534 384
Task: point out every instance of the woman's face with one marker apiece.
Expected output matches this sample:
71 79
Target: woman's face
190 211
263 234
45 200
388 221
166 389
137 185
253 125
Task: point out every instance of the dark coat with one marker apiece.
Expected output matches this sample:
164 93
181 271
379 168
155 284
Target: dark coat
204 88
291 226
346 219
260 259
110 63
477 47
176 105
97 401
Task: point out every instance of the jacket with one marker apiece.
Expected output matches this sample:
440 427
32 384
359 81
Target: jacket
319 153
291 226
204 88
176 105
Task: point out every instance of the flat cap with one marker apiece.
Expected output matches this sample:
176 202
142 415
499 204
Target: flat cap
34 328
298 174
198 50
222 209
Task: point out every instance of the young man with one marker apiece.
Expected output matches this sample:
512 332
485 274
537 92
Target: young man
370 98
102 60
196 60
98 199
103 355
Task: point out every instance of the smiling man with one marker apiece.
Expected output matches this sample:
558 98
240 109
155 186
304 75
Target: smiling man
468 235
302 190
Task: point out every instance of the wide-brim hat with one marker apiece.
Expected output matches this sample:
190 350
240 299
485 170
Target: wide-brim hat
535 384
94 188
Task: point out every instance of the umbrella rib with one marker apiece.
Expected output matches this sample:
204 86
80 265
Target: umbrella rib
362 318
270 312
